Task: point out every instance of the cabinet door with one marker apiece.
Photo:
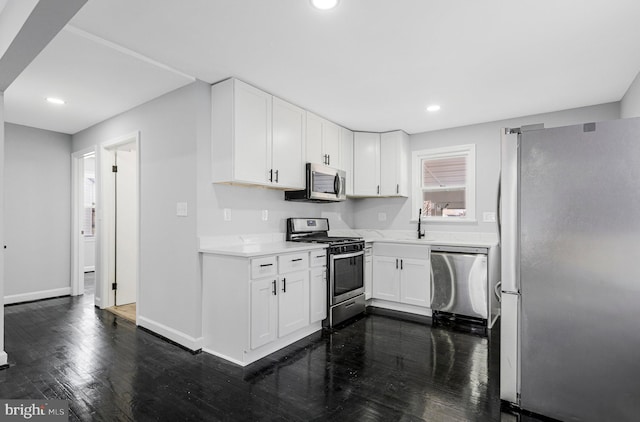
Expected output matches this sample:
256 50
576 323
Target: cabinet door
393 164
366 164
368 276
314 139
252 125
318 294
415 282
288 158
386 278
331 144
293 302
346 157
264 312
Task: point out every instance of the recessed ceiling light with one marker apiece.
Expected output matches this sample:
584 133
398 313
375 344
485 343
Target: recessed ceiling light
434 107
53 100
324 4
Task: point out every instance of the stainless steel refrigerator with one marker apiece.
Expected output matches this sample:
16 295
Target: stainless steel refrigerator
570 234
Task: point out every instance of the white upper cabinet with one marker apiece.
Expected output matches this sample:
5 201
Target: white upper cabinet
366 164
287 145
381 164
251 142
314 139
394 159
323 141
331 144
346 157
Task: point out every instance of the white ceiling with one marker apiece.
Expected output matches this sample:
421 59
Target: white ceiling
368 65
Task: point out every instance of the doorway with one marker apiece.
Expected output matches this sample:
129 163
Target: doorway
83 221
115 220
120 224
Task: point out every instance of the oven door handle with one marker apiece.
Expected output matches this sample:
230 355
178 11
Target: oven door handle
346 255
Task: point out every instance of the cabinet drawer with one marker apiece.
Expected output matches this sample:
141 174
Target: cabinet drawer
293 262
263 267
318 258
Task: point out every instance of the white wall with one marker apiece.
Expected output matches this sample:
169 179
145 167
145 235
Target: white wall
37 216
486 137
169 294
3 354
630 104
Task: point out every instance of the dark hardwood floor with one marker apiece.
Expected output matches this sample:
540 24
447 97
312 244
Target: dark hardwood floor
377 368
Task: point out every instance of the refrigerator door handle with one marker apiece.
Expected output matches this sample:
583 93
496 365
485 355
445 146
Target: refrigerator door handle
499 210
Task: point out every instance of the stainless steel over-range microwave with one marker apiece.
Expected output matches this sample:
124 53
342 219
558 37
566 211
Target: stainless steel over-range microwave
324 184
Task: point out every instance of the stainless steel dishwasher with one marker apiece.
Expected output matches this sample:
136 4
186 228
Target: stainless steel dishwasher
459 283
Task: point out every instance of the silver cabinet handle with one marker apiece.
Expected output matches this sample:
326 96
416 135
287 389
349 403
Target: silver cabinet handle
396 263
378 189
296 260
284 285
402 264
271 175
265 265
277 171
397 188
273 283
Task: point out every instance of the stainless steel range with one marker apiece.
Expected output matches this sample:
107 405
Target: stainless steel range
345 267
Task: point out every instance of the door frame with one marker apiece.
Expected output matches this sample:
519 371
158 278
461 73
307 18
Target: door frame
104 205
77 208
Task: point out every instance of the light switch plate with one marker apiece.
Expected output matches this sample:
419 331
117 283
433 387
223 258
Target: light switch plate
265 215
382 216
227 214
181 209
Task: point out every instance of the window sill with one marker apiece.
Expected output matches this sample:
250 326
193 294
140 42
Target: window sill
445 221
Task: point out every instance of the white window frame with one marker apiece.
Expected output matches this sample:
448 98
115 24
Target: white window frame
468 151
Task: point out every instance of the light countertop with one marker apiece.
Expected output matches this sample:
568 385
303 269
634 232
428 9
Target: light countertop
430 242
259 249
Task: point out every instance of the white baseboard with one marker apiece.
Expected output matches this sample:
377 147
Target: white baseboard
3 358
43 294
402 307
179 337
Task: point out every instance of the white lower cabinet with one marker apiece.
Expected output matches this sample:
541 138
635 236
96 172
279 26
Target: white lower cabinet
402 274
293 302
415 282
318 286
279 307
386 278
368 271
255 306
264 312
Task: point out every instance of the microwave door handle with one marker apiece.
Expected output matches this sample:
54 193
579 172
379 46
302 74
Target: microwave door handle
336 184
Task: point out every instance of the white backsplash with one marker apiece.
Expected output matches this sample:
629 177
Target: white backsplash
374 234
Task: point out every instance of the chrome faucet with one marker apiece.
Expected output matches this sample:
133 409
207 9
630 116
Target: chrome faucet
420 231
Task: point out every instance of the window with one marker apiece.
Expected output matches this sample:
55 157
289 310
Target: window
444 183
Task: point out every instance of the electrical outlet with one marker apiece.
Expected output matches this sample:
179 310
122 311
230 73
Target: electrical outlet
181 209
227 214
265 215
382 216
489 217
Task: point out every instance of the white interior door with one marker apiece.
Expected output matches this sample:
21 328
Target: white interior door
126 225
